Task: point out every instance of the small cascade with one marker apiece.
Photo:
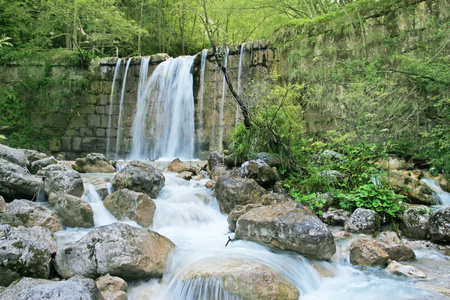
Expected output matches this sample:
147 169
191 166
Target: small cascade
111 101
122 99
241 59
442 196
201 92
164 122
222 103
101 215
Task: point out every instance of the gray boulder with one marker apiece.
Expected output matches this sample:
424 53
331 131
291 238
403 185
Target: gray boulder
440 225
219 164
33 155
396 251
100 186
363 221
287 226
238 211
117 249
25 252
237 191
112 287
261 172
270 159
141 177
13 155
367 252
416 191
415 222
28 214
239 279
74 211
19 288
42 163
16 182
335 216
60 178
94 163
126 204
273 198
397 268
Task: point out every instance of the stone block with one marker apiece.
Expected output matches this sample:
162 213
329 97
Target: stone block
99 109
66 144
86 132
100 132
54 145
93 120
87 143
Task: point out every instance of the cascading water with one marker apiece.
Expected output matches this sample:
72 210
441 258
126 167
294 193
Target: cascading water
442 196
111 101
164 122
122 99
201 92
222 103
241 59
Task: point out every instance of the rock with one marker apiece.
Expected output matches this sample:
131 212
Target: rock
60 178
325 269
176 166
367 253
25 252
42 163
327 155
112 287
94 163
414 222
3 205
239 279
211 184
117 249
28 214
280 188
13 155
186 175
397 268
439 229
126 204
273 198
363 220
74 211
238 211
341 235
33 155
415 190
100 186
332 176
335 216
218 165
396 251
18 289
270 159
16 182
393 163
237 191
141 177
287 226
261 172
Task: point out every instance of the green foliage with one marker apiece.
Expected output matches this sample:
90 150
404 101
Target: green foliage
313 200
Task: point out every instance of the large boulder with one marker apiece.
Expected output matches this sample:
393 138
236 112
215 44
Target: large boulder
33 155
397 268
363 221
261 172
75 288
415 222
367 252
269 158
237 191
393 163
13 155
237 212
335 216
177 166
112 287
440 225
396 251
239 279
287 226
25 252
141 177
118 249
42 163
16 182
94 163
126 204
100 185
219 164
415 190
28 214
74 211
60 178
273 198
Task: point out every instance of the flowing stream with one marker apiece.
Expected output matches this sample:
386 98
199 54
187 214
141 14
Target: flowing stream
442 196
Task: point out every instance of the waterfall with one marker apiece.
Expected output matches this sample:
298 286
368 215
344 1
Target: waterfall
241 59
111 100
221 124
200 101
122 98
441 196
166 127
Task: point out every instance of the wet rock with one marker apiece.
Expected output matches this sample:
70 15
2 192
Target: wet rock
112 287
218 165
127 204
439 229
28 214
117 249
393 163
13 155
273 198
3 205
415 222
16 182
261 172
94 163
335 216
238 211
211 184
74 211
397 268
25 252
141 177
396 251
237 191
363 220
42 163
367 252
242 279
415 190
100 186
270 159
18 289
60 178
33 155
324 268
186 175
177 166
287 226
